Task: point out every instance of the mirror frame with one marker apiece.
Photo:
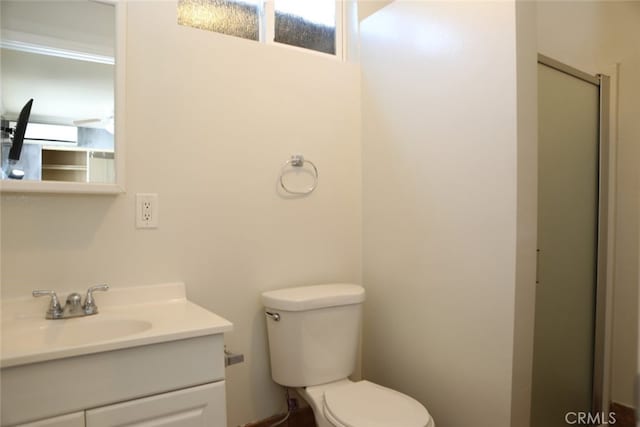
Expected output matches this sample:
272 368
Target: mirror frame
18 186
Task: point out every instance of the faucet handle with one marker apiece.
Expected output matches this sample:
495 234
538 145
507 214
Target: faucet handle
89 303
54 311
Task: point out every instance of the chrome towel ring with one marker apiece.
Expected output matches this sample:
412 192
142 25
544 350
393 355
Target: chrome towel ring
298 161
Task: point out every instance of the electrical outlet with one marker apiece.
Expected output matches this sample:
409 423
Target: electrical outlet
147 210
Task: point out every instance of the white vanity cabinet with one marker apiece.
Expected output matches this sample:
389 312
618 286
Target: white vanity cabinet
176 380
160 363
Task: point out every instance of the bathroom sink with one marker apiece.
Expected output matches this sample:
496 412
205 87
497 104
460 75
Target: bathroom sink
127 317
144 341
72 332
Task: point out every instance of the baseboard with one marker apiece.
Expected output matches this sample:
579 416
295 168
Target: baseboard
625 416
301 417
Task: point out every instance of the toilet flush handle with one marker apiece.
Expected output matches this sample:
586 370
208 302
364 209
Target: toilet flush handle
274 316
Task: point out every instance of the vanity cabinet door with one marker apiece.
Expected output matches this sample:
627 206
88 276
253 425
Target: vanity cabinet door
69 420
192 407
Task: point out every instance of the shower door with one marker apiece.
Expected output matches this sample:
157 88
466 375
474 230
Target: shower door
568 203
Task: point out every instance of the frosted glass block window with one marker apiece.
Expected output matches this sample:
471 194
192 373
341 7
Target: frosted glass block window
238 18
309 24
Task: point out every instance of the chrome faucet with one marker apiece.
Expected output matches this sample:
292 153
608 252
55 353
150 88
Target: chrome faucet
73 307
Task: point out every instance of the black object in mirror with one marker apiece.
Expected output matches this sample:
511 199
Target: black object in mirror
21 128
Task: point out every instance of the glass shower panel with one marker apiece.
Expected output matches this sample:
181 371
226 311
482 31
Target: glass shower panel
568 143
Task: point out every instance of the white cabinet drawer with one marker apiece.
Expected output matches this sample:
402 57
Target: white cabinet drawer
202 406
70 420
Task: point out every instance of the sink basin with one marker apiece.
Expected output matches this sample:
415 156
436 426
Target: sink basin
73 332
128 317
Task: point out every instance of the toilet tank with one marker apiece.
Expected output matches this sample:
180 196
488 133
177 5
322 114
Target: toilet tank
313 332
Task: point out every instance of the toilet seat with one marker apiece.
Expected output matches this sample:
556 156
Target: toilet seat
365 404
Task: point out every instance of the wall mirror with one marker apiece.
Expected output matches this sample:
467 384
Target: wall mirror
68 58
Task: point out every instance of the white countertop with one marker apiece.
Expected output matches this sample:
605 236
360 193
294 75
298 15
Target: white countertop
128 317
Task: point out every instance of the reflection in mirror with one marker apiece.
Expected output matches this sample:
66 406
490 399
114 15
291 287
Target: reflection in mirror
61 55
13 169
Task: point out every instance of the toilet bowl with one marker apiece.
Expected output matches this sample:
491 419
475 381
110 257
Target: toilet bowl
313 339
364 404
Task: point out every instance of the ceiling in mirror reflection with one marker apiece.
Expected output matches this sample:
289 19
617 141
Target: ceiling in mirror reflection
64 90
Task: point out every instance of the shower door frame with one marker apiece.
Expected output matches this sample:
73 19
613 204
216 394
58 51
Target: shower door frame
604 243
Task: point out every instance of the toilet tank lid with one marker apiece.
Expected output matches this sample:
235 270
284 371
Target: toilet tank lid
313 297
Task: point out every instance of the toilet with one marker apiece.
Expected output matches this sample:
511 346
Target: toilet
313 342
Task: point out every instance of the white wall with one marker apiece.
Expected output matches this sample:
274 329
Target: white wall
447 176
210 121
594 36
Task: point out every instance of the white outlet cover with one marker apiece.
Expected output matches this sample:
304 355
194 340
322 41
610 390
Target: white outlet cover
147 210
